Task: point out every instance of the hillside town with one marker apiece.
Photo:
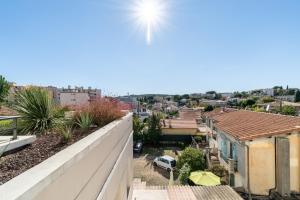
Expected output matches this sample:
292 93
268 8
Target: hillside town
150 100
234 139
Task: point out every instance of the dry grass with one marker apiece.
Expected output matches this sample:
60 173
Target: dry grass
103 111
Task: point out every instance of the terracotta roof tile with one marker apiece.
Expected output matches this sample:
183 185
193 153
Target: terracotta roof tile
223 192
218 111
248 125
189 114
179 123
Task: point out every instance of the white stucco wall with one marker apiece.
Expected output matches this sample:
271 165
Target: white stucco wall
98 166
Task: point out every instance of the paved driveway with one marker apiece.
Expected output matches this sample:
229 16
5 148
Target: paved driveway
144 169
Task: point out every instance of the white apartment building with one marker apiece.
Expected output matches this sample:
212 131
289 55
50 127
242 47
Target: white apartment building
76 96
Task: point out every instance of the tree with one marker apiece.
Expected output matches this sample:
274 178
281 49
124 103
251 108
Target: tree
297 96
290 92
185 96
193 157
138 128
267 99
154 129
218 96
184 174
237 95
278 90
208 108
244 94
4 88
176 98
240 95
247 103
288 110
211 92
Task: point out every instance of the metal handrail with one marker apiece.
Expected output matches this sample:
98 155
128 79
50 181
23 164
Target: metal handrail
14 119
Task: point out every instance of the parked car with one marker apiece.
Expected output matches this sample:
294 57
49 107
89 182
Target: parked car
166 162
138 147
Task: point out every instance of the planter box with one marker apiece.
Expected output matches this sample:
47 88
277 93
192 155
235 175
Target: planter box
98 166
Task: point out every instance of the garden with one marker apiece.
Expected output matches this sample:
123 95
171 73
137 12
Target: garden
55 127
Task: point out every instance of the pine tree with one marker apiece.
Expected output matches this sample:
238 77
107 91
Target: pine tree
297 96
4 89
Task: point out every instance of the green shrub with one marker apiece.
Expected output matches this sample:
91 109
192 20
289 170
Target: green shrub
267 99
4 89
200 138
138 128
184 174
37 111
6 124
66 132
84 121
247 103
288 110
297 96
208 108
193 157
154 129
219 170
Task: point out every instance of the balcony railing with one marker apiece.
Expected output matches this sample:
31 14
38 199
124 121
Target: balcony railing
9 126
232 164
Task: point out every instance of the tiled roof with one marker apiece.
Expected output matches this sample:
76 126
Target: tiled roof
187 119
189 114
218 111
224 192
248 125
179 123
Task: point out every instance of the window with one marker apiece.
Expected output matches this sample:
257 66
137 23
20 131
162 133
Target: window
223 148
214 136
233 155
164 160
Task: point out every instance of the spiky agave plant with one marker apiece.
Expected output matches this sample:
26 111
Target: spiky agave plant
37 110
84 121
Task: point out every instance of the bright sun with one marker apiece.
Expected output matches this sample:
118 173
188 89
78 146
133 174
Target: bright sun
149 15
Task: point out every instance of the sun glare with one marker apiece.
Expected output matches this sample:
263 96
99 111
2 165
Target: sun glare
149 15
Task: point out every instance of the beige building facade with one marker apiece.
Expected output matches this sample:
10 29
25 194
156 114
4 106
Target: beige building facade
261 151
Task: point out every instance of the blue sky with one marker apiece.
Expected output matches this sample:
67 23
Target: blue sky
223 45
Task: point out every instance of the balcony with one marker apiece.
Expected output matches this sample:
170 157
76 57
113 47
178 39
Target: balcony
231 163
98 166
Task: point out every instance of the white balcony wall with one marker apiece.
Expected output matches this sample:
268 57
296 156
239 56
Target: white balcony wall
97 167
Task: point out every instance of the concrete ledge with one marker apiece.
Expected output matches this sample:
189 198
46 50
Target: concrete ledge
80 170
6 144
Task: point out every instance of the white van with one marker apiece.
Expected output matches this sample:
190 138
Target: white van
166 162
